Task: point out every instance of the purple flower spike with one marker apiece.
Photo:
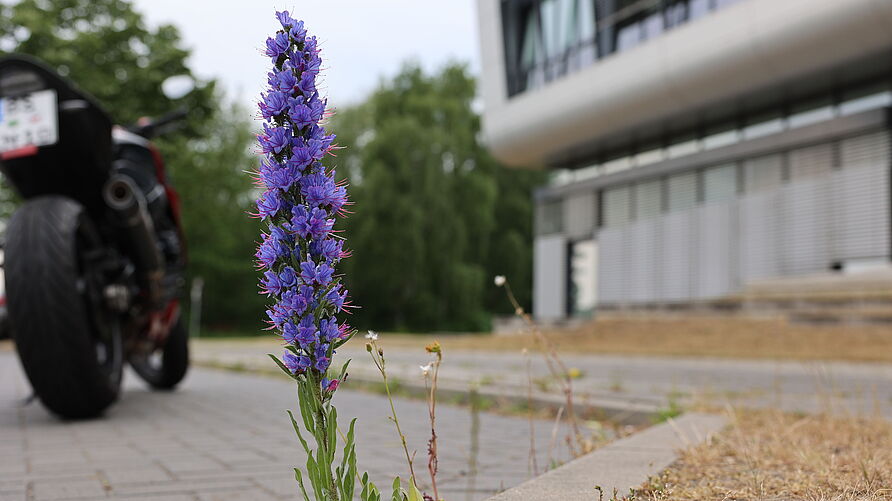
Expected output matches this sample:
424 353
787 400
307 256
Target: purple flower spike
301 200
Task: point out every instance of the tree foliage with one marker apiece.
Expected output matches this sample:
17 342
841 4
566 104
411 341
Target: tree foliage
436 216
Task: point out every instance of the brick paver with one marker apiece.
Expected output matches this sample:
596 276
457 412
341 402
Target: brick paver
225 436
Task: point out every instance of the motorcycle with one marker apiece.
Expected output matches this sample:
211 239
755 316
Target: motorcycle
95 257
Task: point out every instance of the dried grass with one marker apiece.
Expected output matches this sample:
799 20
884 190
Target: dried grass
689 336
770 455
731 337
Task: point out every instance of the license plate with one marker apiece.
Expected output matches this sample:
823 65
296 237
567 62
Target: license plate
28 121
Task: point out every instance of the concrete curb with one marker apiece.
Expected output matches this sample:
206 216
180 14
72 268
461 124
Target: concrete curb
621 465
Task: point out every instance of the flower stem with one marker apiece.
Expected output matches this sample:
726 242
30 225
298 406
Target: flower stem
324 446
394 417
556 367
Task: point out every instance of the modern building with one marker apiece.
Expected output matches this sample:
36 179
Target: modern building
697 146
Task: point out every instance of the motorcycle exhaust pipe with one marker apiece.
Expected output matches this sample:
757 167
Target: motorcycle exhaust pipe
128 203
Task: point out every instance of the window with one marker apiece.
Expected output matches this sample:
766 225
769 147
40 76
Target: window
550 217
762 173
682 191
648 199
617 206
628 37
866 98
649 156
763 125
718 138
720 183
676 14
697 8
544 39
617 164
811 112
685 145
652 26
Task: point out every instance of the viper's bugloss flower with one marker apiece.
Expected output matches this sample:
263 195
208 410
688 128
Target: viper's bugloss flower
301 201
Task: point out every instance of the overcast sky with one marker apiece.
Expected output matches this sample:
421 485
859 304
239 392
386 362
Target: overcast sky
362 40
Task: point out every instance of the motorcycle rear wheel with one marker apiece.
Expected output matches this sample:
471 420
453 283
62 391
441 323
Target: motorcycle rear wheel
164 368
67 340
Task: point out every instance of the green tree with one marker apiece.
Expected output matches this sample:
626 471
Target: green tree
431 228
105 48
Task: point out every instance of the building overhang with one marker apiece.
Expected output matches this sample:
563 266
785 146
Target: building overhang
742 56
852 125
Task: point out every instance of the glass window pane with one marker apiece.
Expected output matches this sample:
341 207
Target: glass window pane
810 161
628 36
530 54
652 26
676 14
648 199
811 112
649 156
550 217
698 8
548 11
763 125
762 173
685 146
617 206
682 191
617 164
720 183
720 139
587 20
858 104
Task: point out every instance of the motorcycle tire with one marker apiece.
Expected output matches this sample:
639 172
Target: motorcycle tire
164 369
69 345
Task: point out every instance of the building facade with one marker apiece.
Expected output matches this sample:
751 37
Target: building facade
697 146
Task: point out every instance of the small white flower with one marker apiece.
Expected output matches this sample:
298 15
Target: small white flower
499 280
372 336
425 369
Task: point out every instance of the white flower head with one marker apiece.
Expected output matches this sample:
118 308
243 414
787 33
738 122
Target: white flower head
425 369
499 280
372 336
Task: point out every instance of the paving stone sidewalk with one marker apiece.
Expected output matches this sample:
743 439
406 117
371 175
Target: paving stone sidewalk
225 436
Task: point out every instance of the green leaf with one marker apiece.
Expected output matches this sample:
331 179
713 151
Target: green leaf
332 434
414 493
344 369
397 490
300 482
297 430
305 412
348 448
315 478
